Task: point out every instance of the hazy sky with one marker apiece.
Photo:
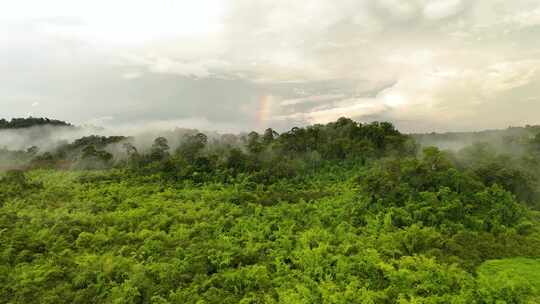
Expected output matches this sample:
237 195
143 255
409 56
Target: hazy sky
248 64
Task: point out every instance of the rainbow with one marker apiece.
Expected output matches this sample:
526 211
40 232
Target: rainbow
263 112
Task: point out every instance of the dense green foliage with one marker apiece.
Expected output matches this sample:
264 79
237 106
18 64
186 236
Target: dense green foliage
336 213
510 275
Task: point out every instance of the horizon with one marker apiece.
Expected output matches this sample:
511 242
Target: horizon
164 127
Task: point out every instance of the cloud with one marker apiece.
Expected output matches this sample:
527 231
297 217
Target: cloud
524 19
357 108
170 64
311 99
194 68
504 76
385 101
440 63
440 9
131 75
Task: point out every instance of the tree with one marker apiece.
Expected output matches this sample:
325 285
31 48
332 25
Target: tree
192 146
535 144
19 123
160 148
92 158
32 150
269 136
254 143
129 148
89 152
237 160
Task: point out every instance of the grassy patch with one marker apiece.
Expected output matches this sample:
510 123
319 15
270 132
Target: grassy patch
518 270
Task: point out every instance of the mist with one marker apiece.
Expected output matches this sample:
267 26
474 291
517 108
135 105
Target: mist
18 147
507 141
48 138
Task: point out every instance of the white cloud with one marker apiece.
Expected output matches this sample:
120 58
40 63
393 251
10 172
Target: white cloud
349 108
440 9
504 76
401 10
119 22
525 19
311 99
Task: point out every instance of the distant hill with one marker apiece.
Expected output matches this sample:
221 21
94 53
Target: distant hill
457 140
21 123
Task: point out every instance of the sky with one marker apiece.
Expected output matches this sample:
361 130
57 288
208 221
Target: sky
238 65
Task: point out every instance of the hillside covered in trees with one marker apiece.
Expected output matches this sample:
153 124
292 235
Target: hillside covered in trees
19 123
345 212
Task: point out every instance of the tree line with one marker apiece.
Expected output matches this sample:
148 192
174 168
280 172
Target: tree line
19 123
